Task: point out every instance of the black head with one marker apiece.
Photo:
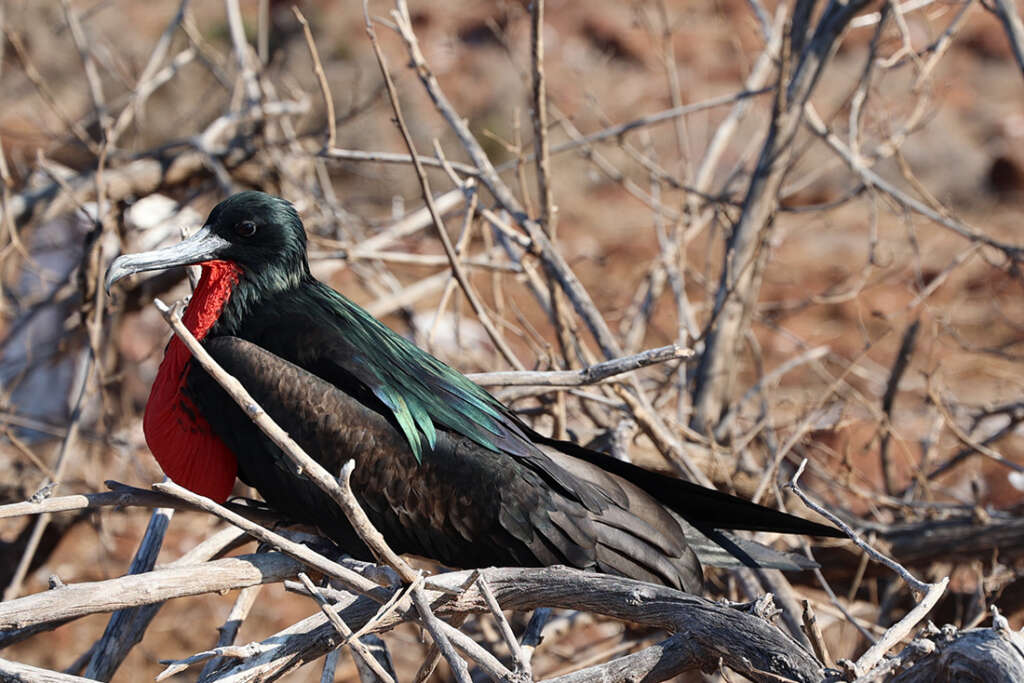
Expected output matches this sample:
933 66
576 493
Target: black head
261 233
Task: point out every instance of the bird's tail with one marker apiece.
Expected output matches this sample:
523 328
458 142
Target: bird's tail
716 548
704 508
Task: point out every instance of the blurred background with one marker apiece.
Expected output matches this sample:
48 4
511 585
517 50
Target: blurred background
882 345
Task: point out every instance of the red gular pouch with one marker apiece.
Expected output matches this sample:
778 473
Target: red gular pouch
178 435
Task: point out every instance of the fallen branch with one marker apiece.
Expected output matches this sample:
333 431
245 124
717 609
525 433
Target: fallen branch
77 600
948 654
18 673
744 642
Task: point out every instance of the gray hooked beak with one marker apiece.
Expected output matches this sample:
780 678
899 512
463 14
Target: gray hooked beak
202 246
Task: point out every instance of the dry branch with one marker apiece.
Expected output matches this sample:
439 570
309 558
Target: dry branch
228 631
134 590
300 552
14 672
124 496
458 272
589 375
1014 252
262 140
993 655
747 247
126 627
743 642
929 592
1009 14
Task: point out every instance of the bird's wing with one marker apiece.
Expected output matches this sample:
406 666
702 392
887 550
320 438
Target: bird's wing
464 504
432 392
336 340
342 343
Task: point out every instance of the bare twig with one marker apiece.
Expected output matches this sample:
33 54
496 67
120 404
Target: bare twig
915 585
929 592
1013 252
814 634
126 627
539 114
899 366
378 649
589 375
318 69
123 496
345 632
449 250
521 662
746 250
300 552
14 671
1009 14
534 633
364 527
228 631
92 76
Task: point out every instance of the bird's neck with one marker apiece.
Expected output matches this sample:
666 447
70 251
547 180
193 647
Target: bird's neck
215 286
178 435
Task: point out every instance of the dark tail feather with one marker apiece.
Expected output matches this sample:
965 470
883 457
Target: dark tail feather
703 507
722 549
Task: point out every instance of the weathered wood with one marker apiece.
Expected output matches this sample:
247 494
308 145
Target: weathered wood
14 672
228 631
122 495
77 600
126 627
963 536
658 662
214 545
378 649
747 643
984 655
85 501
742 641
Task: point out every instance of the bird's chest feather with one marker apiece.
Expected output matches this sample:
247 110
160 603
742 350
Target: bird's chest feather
181 439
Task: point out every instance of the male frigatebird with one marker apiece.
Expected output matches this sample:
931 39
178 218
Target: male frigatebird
444 469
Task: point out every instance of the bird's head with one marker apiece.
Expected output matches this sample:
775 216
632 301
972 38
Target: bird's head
260 233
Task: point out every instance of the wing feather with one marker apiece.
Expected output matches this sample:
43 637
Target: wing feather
463 505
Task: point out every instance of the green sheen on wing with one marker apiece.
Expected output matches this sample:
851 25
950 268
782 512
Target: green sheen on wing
421 391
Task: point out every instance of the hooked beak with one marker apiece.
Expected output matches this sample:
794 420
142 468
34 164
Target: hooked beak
202 246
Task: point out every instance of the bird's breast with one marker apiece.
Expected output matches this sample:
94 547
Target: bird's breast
177 433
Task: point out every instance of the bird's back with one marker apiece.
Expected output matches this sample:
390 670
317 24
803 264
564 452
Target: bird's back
463 505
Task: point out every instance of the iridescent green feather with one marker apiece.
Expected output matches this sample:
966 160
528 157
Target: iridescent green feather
421 391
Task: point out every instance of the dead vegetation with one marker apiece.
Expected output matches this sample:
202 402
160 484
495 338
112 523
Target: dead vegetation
730 240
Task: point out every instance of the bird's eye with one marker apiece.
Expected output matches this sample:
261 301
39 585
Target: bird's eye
245 229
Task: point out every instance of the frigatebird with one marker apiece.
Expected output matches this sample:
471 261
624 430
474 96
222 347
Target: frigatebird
444 469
